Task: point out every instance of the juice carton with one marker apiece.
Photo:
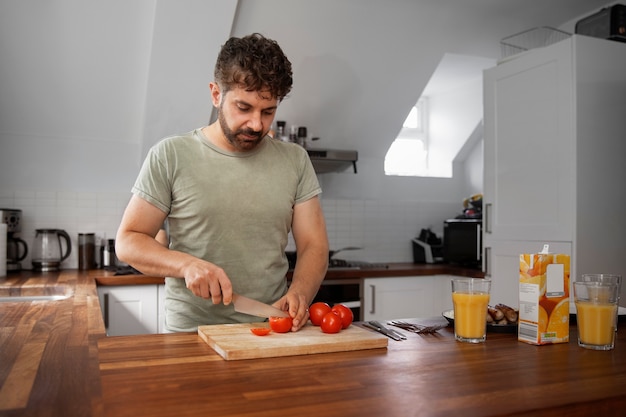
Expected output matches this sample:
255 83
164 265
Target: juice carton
544 298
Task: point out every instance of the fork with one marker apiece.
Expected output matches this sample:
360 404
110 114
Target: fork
416 328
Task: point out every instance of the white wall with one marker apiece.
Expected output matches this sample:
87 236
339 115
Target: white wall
72 81
87 86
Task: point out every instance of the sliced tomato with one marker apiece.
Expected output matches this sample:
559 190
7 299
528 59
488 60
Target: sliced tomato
281 324
260 331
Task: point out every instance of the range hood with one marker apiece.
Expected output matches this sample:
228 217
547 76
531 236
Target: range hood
332 160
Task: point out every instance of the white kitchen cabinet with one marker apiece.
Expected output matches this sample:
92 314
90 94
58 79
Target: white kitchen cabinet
553 152
129 309
406 297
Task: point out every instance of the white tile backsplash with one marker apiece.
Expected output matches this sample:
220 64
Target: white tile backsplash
74 212
383 229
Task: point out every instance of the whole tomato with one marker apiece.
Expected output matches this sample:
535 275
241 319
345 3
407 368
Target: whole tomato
331 323
281 324
345 314
317 311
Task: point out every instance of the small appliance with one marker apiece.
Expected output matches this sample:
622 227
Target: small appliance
427 248
17 249
48 251
462 242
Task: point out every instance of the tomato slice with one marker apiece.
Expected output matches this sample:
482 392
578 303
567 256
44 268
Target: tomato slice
281 324
260 331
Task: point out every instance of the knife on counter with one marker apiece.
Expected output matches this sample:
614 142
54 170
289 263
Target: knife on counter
374 325
256 308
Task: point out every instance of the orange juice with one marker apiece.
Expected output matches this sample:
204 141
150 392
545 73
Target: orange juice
470 311
596 322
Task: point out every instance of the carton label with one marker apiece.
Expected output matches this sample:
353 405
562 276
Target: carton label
544 298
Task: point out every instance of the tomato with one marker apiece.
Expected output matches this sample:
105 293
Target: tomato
317 311
345 313
260 331
331 323
281 324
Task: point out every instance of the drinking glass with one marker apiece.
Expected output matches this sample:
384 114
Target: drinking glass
596 313
470 297
605 278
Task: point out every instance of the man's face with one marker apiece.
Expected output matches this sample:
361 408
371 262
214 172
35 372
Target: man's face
245 117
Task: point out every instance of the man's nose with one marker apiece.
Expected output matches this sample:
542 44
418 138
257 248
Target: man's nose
255 122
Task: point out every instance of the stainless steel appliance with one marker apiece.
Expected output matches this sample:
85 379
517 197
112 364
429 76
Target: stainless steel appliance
332 160
48 251
17 249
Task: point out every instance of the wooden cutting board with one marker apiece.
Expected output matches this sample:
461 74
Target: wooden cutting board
236 341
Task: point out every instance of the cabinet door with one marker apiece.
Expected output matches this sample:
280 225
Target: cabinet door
529 146
502 266
405 297
129 309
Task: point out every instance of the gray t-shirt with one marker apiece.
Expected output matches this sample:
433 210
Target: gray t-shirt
232 209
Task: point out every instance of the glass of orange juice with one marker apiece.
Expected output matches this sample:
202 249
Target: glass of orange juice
596 313
605 278
470 297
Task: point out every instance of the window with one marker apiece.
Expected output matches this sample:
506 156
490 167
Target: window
442 121
407 155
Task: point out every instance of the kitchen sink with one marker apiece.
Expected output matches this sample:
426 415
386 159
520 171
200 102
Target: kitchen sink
39 293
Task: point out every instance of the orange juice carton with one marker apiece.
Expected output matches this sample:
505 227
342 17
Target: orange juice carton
544 298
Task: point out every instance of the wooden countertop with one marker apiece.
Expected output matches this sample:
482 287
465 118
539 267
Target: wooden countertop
55 360
48 349
426 375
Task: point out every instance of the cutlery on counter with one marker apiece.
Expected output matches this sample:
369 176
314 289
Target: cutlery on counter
374 325
417 328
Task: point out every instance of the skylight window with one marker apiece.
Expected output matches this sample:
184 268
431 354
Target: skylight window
407 155
441 122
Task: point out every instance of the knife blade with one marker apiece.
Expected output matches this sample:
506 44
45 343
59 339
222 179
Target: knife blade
382 330
386 329
256 308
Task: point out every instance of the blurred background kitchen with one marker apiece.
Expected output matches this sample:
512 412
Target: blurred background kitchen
87 87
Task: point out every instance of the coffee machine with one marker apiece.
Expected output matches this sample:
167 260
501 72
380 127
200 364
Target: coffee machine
17 249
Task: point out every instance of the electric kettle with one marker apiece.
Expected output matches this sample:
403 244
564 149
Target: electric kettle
48 251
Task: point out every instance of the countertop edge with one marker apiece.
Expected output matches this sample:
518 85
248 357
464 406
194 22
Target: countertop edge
399 269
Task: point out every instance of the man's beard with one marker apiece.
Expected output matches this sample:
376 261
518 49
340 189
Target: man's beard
241 144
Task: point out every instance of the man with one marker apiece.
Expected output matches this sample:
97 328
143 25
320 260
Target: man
231 195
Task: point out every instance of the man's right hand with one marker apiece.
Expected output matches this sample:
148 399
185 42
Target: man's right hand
209 281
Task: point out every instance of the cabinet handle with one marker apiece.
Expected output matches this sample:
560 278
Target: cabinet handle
106 310
487 216
487 262
478 241
373 291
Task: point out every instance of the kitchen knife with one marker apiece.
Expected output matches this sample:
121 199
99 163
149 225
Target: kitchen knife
383 330
256 308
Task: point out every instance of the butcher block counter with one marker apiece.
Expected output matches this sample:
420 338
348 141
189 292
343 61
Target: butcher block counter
55 360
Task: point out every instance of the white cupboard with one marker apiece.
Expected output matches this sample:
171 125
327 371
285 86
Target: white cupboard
406 297
129 309
555 140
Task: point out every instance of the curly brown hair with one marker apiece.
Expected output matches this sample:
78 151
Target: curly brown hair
254 63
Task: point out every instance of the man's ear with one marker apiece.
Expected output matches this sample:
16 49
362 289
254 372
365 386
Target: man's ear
216 94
